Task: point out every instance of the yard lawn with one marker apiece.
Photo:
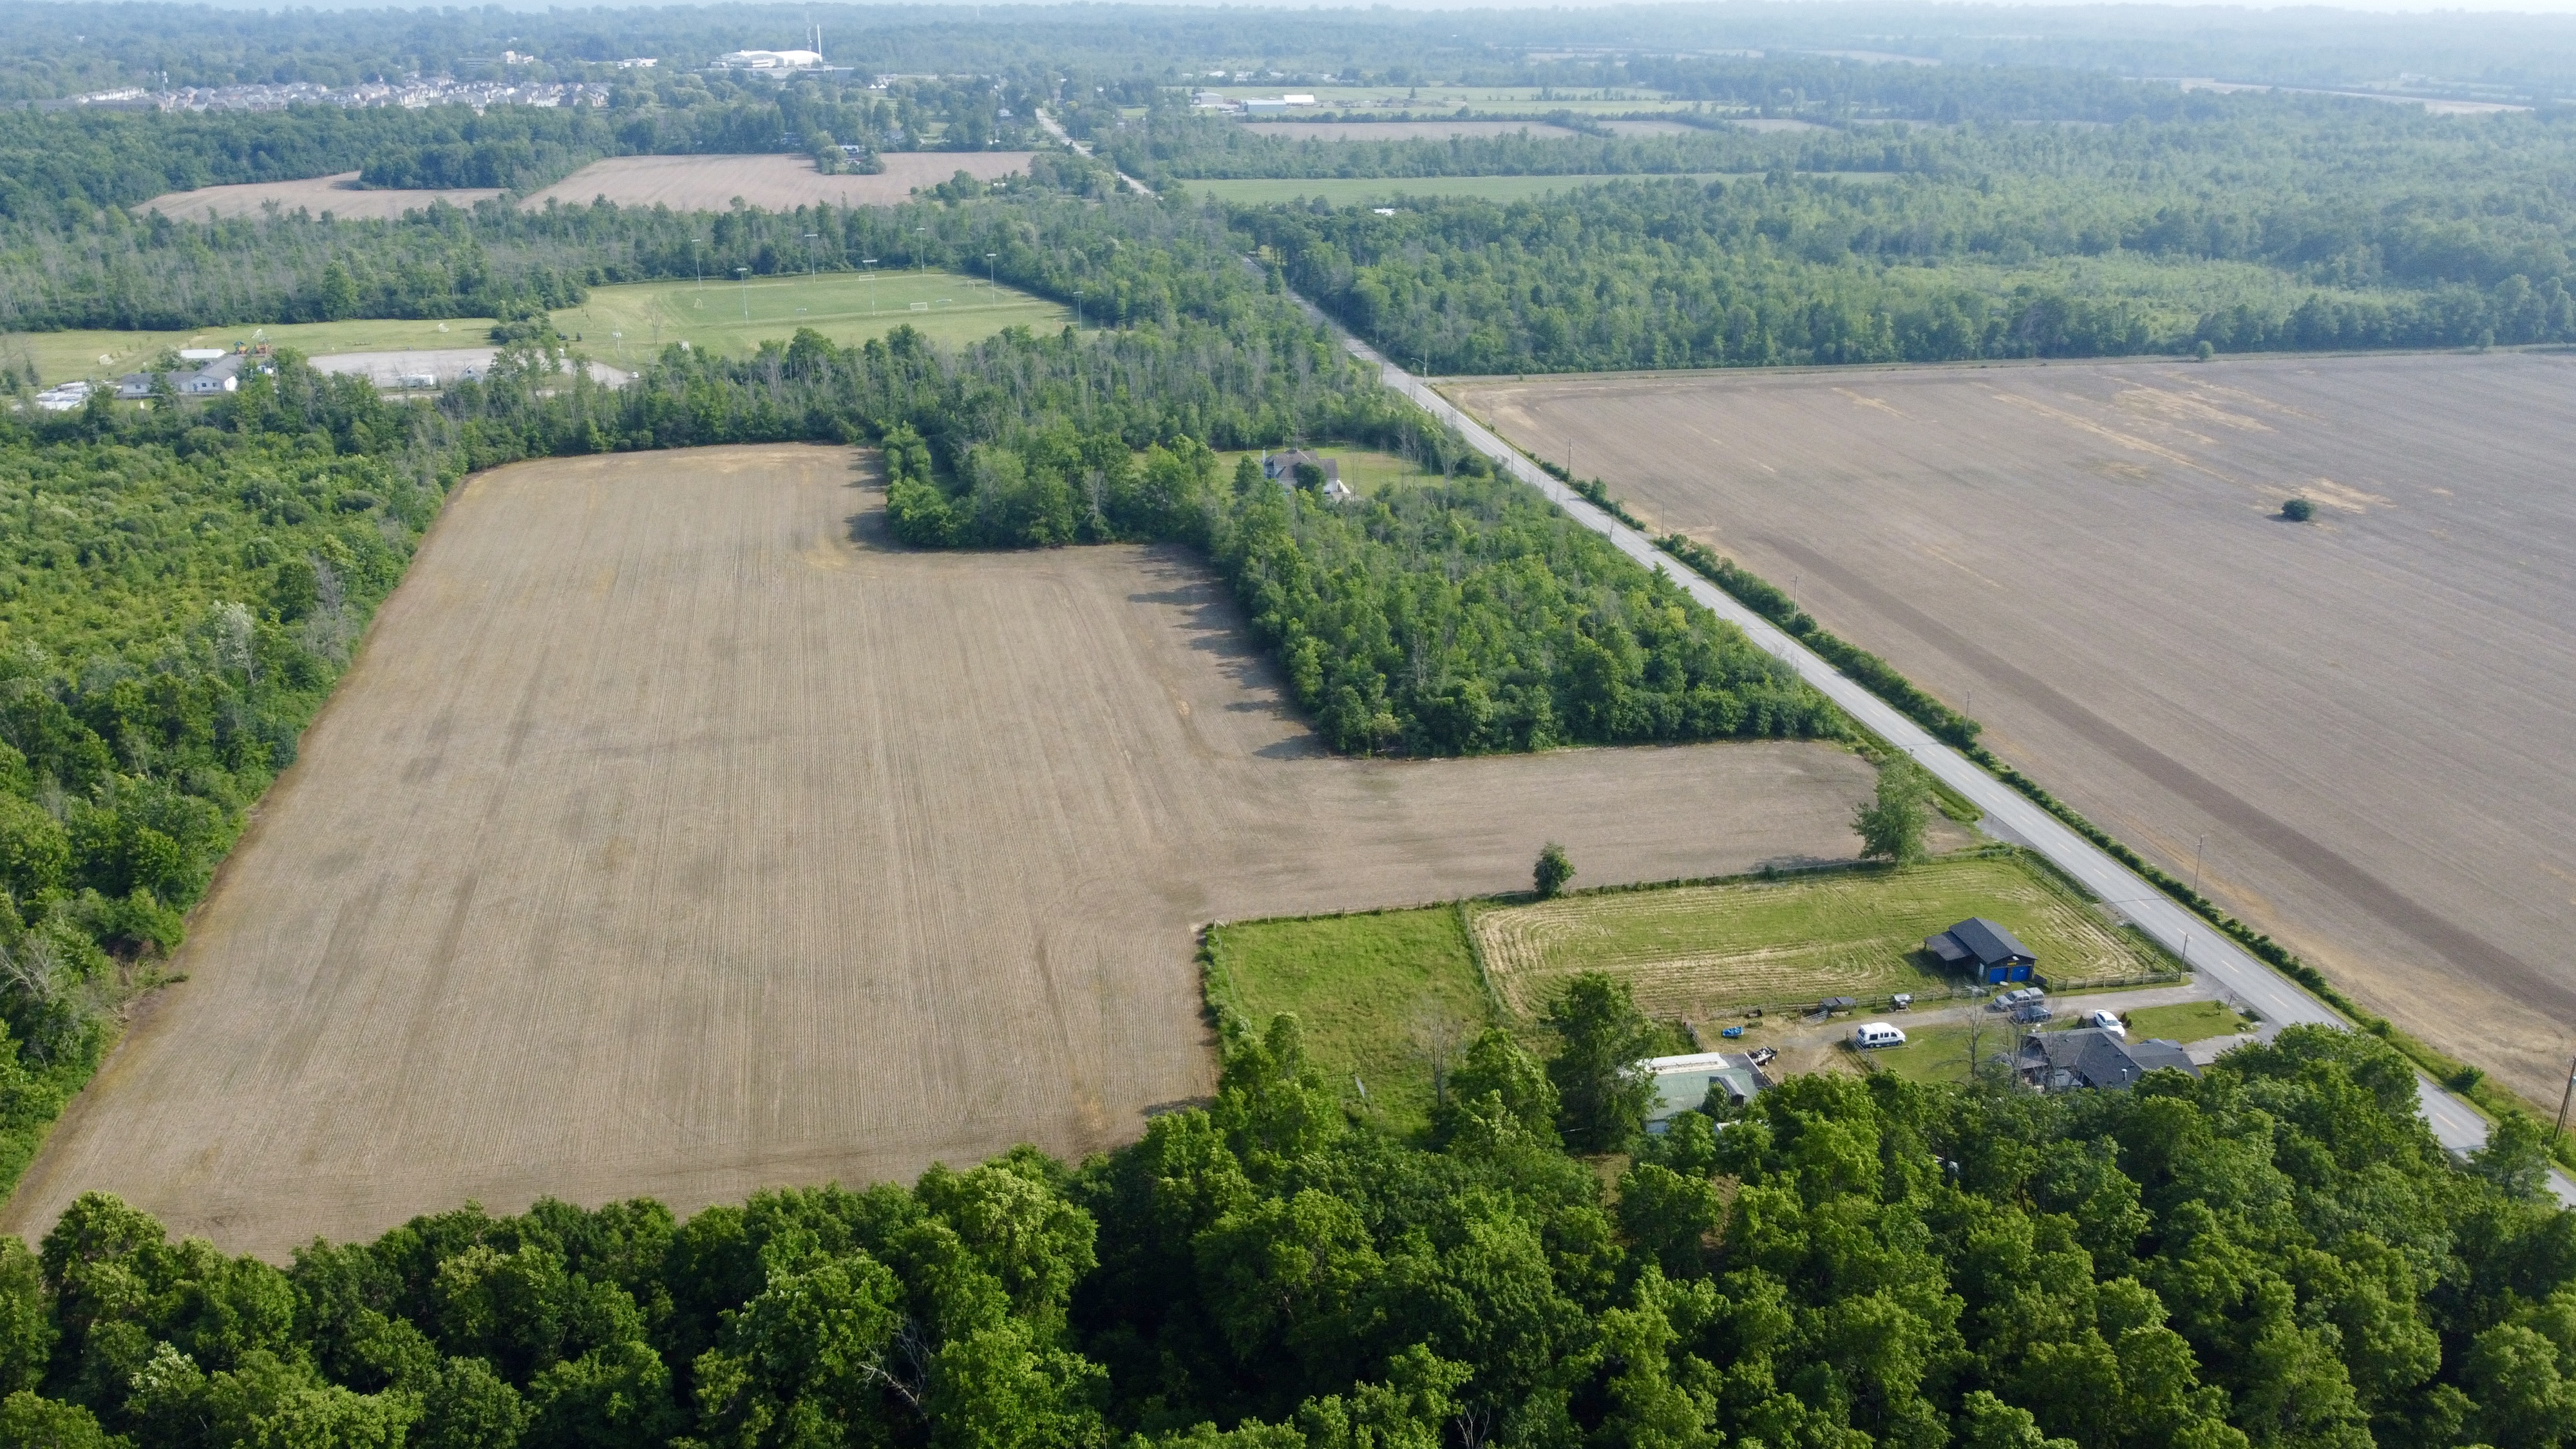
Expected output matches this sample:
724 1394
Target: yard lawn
2187 1021
1940 1053
1366 470
628 324
1697 952
64 356
1368 989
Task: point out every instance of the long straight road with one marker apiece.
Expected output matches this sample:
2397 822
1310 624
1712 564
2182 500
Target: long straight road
2269 994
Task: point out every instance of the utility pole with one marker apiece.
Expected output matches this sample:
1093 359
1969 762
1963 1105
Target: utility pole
2563 1096
1077 309
2195 862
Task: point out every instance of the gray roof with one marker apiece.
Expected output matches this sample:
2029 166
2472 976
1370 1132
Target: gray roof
2095 1056
1989 943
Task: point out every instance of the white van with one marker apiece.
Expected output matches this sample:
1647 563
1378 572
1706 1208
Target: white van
1876 1034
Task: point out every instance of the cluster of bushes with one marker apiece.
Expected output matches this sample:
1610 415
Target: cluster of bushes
2276 1254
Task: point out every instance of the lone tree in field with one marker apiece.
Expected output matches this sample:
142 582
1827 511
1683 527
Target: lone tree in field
2298 510
1602 1090
1893 823
1552 871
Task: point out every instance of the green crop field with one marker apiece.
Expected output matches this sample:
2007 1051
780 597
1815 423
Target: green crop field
1696 952
626 324
1373 991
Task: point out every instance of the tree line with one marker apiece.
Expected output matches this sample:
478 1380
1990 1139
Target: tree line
2274 1254
1759 271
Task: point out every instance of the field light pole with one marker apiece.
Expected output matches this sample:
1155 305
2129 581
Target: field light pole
746 292
1077 309
810 238
869 263
992 273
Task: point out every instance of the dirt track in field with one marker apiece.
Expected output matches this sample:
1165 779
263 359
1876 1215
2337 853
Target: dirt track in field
340 195
2369 716
774 183
674 836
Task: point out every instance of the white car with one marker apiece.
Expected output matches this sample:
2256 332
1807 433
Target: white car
2108 1021
1876 1034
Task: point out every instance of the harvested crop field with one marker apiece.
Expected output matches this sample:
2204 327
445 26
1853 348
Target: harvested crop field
1398 130
2368 716
673 835
774 183
340 195
1700 951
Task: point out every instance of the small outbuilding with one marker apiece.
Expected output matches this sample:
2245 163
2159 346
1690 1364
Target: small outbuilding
1683 1084
1984 950
2093 1057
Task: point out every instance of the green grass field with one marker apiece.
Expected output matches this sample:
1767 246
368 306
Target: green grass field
1365 469
1369 989
1699 952
1940 1053
626 324
62 356
1353 190
621 325
2187 1021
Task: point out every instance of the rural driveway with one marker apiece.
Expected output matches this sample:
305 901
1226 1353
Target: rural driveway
2271 996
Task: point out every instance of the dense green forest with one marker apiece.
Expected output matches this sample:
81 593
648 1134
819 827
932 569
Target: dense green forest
116 271
2295 225
58 167
2276 1254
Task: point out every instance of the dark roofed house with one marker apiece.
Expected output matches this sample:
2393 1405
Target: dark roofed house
1983 949
1281 468
2095 1057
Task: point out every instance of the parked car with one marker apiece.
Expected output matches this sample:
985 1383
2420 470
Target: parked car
2031 1012
1762 1056
2107 1021
1876 1034
2017 998
1903 1001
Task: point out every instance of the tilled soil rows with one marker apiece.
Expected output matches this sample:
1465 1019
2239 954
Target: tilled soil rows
2366 718
676 835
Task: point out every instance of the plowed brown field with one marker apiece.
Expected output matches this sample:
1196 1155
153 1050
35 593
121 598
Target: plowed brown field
339 195
672 835
774 183
2370 717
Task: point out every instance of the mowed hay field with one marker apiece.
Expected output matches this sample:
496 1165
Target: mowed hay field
338 194
2368 716
1699 951
775 183
673 835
